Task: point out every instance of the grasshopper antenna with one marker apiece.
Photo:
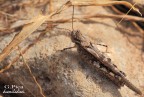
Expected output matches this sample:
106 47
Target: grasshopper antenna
73 18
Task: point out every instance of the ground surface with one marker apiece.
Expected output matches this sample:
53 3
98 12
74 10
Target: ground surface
64 74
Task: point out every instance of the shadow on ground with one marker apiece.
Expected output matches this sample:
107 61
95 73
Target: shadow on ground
56 75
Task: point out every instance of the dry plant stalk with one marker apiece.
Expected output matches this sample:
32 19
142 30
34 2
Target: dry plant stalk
134 23
138 27
27 66
38 20
126 17
82 17
23 52
4 13
126 14
108 3
28 29
51 6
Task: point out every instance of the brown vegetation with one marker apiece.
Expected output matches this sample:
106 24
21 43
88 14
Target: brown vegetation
33 33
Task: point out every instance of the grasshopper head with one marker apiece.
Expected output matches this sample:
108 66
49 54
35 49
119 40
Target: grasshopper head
77 37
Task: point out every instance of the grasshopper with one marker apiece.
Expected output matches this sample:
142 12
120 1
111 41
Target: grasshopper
92 55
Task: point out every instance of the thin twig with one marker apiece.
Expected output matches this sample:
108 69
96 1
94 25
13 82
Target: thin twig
23 52
126 14
4 13
81 17
62 8
25 63
51 6
108 3
138 27
28 29
116 10
134 23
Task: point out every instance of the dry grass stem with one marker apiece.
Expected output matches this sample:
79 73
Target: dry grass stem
28 29
116 10
81 17
134 23
52 19
4 13
127 14
51 6
40 19
23 52
138 27
126 17
109 3
40 88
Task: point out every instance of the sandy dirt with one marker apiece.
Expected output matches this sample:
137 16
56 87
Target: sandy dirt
64 74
